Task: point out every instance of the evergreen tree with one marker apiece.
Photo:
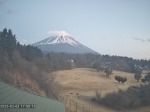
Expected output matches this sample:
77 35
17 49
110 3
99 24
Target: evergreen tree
7 41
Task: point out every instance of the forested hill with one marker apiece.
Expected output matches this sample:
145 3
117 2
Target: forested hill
16 62
26 66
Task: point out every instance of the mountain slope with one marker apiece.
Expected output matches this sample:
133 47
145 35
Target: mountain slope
61 41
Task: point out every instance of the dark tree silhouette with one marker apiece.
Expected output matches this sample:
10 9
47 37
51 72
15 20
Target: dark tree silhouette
121 79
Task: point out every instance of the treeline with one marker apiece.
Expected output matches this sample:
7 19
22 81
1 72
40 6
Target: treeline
133 97
80 60
100 62
121 63
16 64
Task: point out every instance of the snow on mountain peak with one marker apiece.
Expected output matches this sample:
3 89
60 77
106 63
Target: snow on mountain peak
58 33
56 37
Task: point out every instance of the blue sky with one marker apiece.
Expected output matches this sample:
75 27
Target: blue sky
114 27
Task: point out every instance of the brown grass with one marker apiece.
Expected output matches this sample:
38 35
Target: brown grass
86 81
89 80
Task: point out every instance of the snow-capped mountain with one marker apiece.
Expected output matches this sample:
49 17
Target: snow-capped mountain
61 41
57 37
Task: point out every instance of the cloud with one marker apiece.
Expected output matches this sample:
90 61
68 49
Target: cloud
148 40
1 3
141 39
6 10
10 11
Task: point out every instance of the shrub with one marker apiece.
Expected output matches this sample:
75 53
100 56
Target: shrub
133 97
121 79
146 78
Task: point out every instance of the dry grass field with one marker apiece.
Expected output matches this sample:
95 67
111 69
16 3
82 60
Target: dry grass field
85 81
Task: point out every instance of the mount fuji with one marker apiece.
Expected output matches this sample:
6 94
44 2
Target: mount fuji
61 41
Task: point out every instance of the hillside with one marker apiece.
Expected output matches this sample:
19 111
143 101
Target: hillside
86 80
25 66
79 85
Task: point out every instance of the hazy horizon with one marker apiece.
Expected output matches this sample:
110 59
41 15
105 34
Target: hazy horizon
111 27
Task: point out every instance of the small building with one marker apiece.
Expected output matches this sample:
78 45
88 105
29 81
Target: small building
13 99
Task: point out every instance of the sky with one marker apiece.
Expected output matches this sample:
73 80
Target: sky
113 27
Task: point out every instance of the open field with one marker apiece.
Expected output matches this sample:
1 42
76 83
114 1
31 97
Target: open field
87 81
81 83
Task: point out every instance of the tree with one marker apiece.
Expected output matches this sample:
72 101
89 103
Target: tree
137 76
146 78
7 41
121 79
29 52
95 66
143 80
100 68
108 71
138 72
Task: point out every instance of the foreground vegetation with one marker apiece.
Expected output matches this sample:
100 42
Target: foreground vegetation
133 97
26 66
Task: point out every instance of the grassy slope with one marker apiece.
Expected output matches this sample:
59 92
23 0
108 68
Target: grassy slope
86 81
89 80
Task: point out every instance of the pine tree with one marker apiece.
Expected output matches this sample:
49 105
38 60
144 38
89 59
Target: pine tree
7 41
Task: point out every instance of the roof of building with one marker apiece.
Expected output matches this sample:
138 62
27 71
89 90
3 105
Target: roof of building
13 99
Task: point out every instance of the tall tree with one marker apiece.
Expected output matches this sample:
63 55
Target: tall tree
138 73
7 41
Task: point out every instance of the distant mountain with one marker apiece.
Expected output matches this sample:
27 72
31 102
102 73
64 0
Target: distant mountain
61 41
